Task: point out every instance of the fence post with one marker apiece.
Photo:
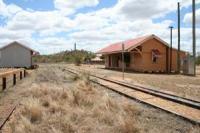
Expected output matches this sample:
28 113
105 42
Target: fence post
24 73
4 83
14 79
20 75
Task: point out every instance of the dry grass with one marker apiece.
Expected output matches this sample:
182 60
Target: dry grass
49 108
55 102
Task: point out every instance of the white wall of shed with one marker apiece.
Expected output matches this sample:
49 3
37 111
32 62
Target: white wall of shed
15 56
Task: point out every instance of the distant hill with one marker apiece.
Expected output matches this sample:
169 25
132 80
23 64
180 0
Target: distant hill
78 56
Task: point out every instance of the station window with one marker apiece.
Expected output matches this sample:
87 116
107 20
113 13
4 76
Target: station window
155 55
154 59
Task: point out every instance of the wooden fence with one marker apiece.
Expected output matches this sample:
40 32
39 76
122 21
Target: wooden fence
10 78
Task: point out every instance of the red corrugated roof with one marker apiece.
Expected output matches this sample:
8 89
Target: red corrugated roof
131 44
117 47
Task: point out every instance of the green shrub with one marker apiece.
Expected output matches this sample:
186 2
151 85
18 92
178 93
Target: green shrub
77 60
77 57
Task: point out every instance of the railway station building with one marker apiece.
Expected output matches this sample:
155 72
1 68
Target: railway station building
143 54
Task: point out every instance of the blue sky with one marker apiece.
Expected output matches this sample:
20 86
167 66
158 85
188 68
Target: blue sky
41 5
51 26
47 5
173 16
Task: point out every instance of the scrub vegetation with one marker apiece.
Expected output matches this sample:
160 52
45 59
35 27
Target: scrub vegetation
77 57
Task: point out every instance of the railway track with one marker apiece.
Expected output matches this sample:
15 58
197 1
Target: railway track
184 108
6 112
7 109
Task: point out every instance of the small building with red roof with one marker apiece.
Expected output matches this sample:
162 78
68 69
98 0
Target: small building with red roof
144 54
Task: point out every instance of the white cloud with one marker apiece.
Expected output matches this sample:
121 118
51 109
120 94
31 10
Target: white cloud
8 10
45 23
90 21
187 3
142 9
134 9
9 34
70 6
91 31
55 44
188 17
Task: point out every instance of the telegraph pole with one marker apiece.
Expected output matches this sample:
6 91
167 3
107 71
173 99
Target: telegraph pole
170 68
74 46
178 55
194 33
123 61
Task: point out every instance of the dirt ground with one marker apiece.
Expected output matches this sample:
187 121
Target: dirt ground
146 119
185 86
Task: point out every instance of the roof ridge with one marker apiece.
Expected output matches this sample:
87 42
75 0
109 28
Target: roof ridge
115 47
139 37
116 43
16 42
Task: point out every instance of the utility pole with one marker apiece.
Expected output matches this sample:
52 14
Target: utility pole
123 61
194 33
74 46
179 38
170 68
